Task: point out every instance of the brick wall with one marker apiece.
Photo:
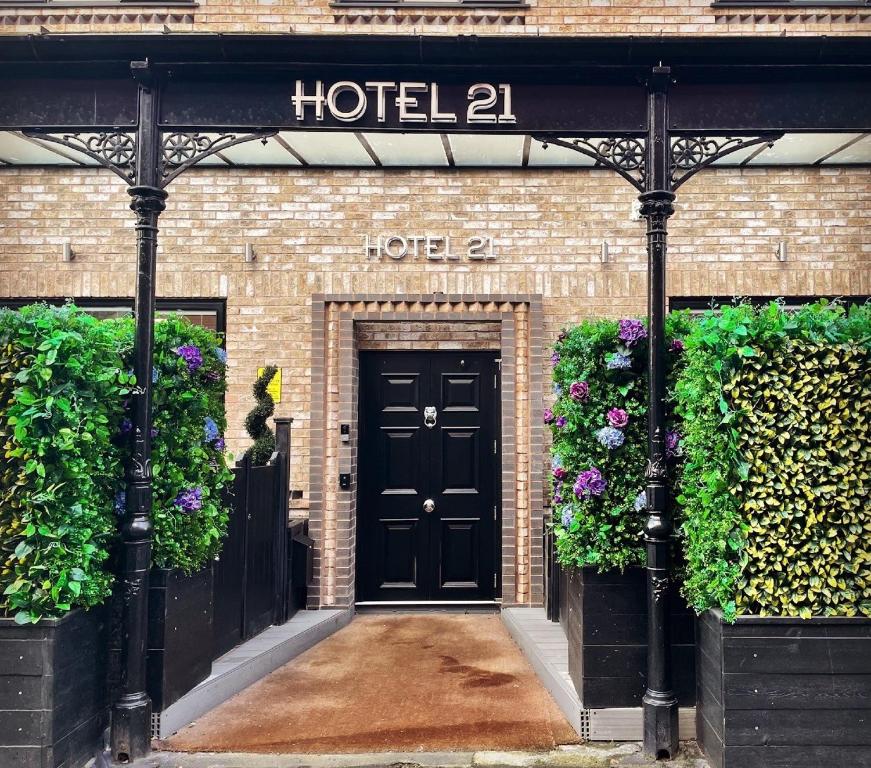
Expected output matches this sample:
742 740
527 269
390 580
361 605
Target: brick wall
542 17
308 228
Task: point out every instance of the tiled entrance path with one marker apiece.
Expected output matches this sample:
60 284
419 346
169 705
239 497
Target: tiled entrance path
391 682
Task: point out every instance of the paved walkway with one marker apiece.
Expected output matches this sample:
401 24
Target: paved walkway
423 682
585 756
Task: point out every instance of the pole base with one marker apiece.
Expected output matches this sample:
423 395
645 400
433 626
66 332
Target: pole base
661 737
130 737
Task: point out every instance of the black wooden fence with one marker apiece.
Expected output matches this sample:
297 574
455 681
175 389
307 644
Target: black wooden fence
251 584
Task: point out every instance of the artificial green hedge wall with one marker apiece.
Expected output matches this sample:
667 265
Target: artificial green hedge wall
599 430
774 494
62 385
64 435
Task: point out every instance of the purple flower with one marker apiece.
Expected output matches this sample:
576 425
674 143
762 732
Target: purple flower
210 430
676 345
191 355
557 497
548 416
618 418
611 438
126 426
632 331
554 359
154 432
561 421
590 483
190 500
640 503
579 391
618 362
213 376
672 443
219 444
559 474
567 516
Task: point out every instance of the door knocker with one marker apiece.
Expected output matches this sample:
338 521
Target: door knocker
429 416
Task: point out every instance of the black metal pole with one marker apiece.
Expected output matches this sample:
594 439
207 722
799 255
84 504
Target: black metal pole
659 703
131 712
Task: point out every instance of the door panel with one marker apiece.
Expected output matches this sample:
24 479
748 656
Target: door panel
408 549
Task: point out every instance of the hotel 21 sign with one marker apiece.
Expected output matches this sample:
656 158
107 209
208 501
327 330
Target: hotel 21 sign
406 102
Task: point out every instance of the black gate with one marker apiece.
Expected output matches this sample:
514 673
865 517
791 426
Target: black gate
250 575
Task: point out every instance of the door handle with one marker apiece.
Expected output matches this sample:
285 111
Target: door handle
428 506
429 416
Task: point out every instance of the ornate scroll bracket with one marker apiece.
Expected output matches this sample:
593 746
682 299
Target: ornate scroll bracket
180 151
689 154
115 150
622 154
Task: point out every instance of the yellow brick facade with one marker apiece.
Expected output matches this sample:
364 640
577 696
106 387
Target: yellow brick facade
308 228
540 17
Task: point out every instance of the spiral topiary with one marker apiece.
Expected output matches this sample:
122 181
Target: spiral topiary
255 421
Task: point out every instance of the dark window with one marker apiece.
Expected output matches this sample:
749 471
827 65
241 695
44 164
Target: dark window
698 304
210 313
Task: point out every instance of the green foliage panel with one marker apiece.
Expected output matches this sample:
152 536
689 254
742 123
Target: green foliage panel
65 385
775 485
599 428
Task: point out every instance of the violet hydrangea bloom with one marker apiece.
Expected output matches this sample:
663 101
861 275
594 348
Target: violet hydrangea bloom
126 426
567 516
618 418
590 483
672 443
561 421
676 345
191 355
557 497
190 500
219 444
579 391
554 359
548 416
610 437
618 362
632 331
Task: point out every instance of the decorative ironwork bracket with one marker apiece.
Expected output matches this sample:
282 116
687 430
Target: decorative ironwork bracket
180 151
622 154
116 150
689 154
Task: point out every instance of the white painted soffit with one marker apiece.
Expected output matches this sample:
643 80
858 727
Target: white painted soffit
433 150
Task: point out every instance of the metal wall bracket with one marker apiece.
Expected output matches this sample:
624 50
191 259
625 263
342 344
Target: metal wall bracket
622 154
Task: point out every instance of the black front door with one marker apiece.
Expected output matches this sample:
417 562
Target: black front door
427 508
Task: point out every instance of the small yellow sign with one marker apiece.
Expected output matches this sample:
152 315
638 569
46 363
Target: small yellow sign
274 386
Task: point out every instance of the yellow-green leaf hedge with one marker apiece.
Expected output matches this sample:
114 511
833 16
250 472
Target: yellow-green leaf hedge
775 486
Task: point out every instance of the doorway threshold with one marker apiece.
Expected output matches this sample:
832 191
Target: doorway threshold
443 606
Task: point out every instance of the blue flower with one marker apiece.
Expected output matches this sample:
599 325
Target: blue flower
190 500
640 502
120 501
610 437
567 516
555 462
154 375
618 362
557 390
210 428
221 354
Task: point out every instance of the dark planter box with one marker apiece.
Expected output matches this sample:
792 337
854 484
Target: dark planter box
180 633
604 616
54 690
777 692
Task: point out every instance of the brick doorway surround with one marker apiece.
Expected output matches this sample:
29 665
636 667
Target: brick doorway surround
342 325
